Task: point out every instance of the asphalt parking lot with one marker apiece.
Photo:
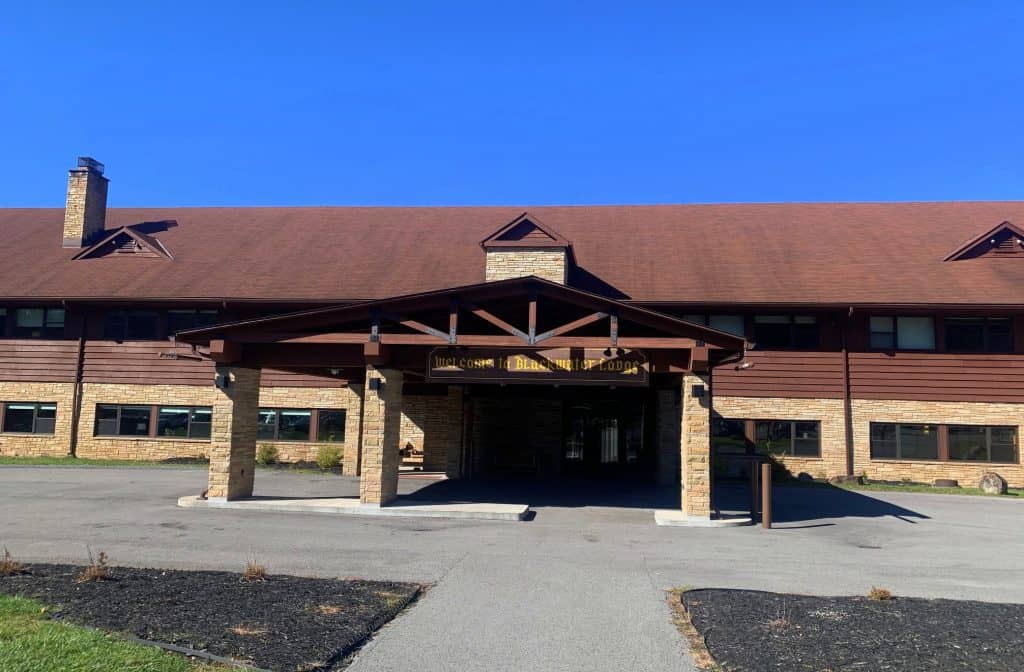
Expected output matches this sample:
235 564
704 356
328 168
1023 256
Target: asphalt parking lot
581 586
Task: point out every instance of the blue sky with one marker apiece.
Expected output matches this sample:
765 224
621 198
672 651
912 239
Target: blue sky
422 103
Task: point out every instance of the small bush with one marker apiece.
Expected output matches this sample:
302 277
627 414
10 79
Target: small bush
9 566
328 457
254 572
96 570
266 454
879 594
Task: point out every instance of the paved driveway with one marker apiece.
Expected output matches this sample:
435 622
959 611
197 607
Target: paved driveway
580 587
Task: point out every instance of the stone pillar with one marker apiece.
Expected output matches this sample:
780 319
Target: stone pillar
382 426
233 434
669 425
695 447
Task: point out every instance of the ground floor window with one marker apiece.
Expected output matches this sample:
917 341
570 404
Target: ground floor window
982 444
28 417
797 438
975 443
170 422
302 424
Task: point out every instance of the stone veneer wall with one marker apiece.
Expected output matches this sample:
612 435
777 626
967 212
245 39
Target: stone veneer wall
347 398
433 424
36 445
141 448
866 411
827 411
547 263
695 447
233 435
382 421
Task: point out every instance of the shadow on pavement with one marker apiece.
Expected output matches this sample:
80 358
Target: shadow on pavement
568 493
800 503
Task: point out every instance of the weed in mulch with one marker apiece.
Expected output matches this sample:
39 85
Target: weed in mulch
9 566
254 572
767 632
879 594
282 623
96 570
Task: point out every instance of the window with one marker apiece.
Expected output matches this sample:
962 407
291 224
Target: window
903 333
179 320
787 437
892 441
297 424
982 444
979 334
786 331
331 426
191 422
3 322
39 323
729 436
114 420
731 324
29 417
131 325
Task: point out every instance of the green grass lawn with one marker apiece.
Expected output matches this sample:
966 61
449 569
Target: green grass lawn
900 487
30 642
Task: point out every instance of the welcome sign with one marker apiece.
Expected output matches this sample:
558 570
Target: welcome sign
573 366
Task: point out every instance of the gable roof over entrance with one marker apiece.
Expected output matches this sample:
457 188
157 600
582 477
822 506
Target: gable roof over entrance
525 313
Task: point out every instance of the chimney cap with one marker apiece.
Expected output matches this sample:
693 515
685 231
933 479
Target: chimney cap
90 163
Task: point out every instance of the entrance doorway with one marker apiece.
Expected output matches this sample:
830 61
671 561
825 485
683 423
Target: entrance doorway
548 432
603 438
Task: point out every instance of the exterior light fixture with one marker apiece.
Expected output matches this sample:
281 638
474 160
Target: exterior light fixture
607 352
743 366
222 381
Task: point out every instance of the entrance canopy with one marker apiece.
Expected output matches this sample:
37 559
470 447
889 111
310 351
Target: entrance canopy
519 330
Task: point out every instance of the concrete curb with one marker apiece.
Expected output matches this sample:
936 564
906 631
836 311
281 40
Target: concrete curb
352 507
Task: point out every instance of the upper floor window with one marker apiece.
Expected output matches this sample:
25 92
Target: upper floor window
29 417
903 333
730 324
3 322
131 325
39 323
786 331
179 320
979 334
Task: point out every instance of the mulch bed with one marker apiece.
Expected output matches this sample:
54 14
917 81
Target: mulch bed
753 631
285 623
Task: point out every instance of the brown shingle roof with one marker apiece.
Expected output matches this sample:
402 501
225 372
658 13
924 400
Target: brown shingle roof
776 253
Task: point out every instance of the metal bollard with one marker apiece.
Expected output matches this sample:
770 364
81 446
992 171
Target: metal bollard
766 496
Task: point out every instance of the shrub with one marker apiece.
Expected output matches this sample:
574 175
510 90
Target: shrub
266 454
254 572
96 570
879 594
9 566
328 457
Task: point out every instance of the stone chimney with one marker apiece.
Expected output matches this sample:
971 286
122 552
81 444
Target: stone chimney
86 209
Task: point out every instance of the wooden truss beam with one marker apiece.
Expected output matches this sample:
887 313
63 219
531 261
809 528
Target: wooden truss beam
570 326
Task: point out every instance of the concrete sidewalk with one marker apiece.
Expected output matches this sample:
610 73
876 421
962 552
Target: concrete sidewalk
579 587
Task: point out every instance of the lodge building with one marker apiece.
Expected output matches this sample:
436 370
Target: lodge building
641 342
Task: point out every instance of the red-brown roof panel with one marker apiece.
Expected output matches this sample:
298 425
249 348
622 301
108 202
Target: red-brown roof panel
757 253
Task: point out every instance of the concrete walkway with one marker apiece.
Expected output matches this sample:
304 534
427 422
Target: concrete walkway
579 587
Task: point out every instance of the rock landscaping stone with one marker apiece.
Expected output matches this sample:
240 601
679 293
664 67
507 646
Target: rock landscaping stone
992 483
284 623
753 631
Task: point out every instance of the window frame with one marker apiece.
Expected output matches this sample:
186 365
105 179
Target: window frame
159 325
46 331
988 444
986 320
314 424
790 452
153 428
943 443
189 423
896 347
792 327
37 406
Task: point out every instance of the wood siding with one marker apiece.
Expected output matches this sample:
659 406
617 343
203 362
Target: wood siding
779 373
143 363
937 376
276 378
34 360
